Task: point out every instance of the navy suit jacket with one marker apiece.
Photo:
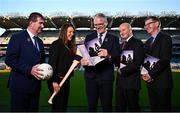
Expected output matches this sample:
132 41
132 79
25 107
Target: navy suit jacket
105 69
21 56
161 72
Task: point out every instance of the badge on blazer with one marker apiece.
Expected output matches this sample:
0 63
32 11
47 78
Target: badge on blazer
28 39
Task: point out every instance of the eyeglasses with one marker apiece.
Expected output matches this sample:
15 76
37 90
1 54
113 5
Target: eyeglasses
149 23
100 24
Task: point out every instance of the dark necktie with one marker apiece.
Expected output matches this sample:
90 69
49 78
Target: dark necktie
124 44
151 41
35 42
100 38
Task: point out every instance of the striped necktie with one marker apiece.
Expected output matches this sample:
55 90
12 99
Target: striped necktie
100 38
124 45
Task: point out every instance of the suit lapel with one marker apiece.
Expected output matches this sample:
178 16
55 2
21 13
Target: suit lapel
95 36
106 41
149 49
130 41
31 44
156 41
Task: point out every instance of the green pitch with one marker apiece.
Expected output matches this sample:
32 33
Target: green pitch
77 97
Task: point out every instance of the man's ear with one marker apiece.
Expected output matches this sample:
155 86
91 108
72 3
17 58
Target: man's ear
106 24
157 24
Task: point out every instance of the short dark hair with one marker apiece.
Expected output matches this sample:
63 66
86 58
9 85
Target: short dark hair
33 17
154 18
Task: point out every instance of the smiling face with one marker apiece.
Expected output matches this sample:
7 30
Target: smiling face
125 30
70 33
100 24
37 26
151 26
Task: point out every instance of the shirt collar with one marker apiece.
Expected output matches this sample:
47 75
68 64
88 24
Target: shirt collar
154 35
103 34
30 34
128 38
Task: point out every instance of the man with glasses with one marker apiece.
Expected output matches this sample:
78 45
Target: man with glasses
159 78
99 78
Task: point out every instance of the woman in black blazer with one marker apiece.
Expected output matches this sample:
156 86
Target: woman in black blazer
61 55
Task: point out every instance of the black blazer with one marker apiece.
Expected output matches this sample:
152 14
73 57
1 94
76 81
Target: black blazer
161 72
130 75
60 58
104 69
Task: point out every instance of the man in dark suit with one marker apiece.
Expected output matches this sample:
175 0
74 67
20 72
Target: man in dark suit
24 54
159 78
129 77
99 78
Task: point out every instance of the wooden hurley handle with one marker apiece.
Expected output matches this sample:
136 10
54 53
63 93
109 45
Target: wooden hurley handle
74 64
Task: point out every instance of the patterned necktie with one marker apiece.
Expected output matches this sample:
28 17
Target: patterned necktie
124 45
100 38
35 42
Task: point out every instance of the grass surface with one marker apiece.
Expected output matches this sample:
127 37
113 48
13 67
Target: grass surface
77 99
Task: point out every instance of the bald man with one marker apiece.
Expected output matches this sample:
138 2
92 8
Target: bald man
128 79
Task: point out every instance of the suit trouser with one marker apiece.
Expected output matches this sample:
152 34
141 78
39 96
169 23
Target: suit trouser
24 102
160 99
126 98
95 89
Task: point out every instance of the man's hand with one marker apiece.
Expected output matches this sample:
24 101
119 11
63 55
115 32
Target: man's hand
84 62
119 71
103 53
36 72
147 78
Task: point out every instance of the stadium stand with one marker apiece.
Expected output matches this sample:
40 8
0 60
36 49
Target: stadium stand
84 25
